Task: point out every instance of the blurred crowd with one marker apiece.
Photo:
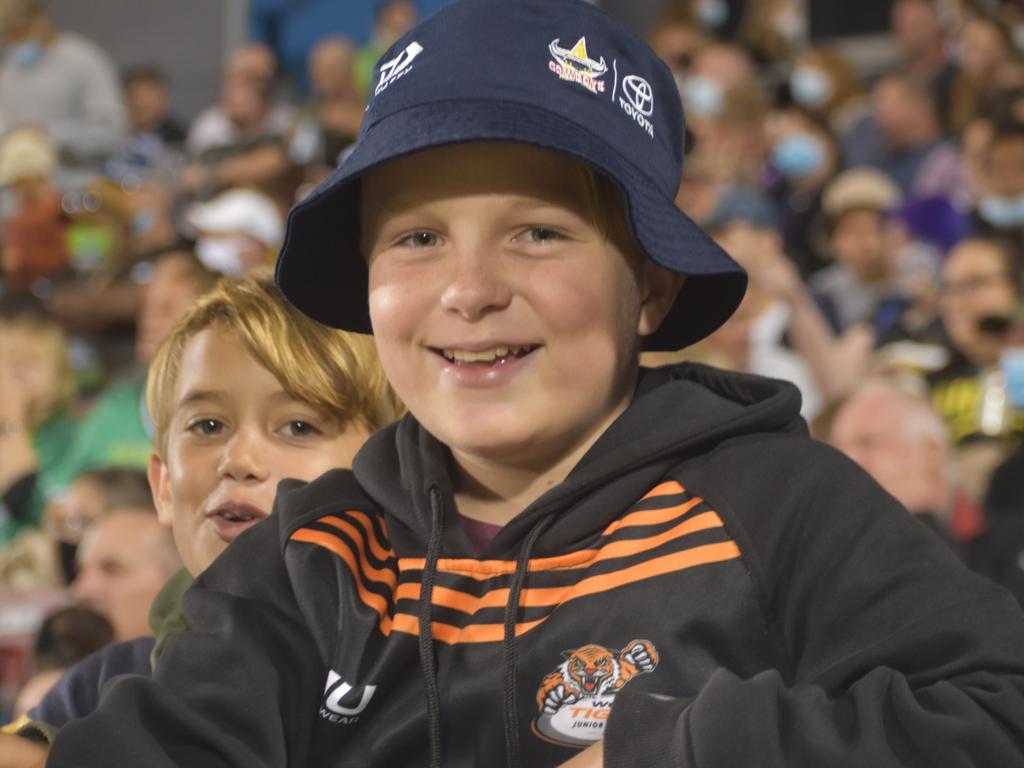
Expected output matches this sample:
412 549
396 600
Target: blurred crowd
875 196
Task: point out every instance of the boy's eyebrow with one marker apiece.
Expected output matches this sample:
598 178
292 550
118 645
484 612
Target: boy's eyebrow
202 395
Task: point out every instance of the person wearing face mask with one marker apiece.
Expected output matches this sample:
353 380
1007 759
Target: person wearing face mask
1000 206
61 82
804 157
824 83
244 393
239 231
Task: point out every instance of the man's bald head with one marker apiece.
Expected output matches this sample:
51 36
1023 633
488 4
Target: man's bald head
125 559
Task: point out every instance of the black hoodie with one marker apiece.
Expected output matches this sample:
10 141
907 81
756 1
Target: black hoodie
708 587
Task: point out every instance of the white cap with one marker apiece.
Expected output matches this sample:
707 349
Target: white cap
239 212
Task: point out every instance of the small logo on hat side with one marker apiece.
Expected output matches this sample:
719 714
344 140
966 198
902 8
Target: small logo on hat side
393 69
574 65
638 102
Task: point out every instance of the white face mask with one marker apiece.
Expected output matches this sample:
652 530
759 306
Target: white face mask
222 254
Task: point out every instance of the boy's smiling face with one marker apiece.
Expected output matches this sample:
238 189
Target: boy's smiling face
506 317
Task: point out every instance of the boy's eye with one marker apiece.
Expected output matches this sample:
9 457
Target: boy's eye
420 240
207 427
297 428
540 235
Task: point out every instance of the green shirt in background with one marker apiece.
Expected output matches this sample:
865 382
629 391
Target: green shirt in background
114 433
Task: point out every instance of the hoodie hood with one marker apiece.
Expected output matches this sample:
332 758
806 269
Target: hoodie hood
678 412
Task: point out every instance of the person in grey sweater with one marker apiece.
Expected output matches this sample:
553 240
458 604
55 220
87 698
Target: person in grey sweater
60 82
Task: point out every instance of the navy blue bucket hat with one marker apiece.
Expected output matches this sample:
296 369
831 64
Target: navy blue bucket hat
555 74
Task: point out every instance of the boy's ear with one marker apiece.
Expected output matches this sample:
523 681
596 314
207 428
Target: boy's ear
160 487
659 289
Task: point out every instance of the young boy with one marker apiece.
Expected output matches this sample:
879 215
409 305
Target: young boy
675 574
245 392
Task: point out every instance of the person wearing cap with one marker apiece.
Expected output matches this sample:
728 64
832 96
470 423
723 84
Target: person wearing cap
557 557
862 279
61 82
238 231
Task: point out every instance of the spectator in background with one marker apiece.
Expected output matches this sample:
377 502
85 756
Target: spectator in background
335 113
391 20
66 637
124 561
985 65
90 495
240 141
676 39
825 84
804 157
154 141
238 231
979 291
899 439
863 277
925 49
1000 207
726 116
752 340
35 235
116 432
36 389
148 103
917 155
60 82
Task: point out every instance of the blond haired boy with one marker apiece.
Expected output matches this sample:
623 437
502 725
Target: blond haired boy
245 392
664 569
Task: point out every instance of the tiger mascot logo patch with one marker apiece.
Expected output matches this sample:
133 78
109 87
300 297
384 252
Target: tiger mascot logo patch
576 699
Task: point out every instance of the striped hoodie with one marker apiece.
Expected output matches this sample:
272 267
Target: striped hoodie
708 587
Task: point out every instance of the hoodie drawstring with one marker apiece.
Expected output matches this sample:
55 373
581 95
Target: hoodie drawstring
510 703
428 665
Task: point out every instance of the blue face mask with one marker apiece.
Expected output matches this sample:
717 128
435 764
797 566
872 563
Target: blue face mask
810 87
713 13
1012 364
703 96
1002 212
25 55
798 155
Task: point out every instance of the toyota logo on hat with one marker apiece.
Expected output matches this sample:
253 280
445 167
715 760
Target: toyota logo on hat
639 93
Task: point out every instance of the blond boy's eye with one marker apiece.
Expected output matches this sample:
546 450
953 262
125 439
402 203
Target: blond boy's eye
208 427
298 428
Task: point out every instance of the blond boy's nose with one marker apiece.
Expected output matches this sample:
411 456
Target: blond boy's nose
242 458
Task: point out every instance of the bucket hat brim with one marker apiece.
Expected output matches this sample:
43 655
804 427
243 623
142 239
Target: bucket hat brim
322 271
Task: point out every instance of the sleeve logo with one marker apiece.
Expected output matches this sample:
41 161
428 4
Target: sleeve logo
575 700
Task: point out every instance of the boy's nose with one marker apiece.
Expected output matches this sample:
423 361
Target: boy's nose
476 286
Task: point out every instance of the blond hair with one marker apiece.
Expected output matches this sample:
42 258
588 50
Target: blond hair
336 372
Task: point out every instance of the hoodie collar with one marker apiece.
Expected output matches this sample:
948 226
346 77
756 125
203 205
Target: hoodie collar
678 412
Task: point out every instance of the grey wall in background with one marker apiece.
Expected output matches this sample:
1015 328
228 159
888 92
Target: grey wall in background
185 38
